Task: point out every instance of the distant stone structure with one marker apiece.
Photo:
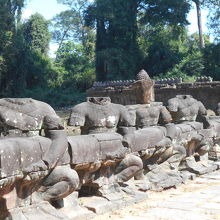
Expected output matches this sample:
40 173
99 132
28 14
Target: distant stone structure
128 92
206 92
144 90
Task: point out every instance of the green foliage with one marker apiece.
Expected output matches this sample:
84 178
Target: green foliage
130 35
58 97
36 33
190 67
118 55
164 12
10 12
117 52
212 61
80 70
166 48
69 25
213 7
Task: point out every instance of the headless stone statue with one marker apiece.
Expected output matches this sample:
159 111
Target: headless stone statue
21 122
185 108
99 115
149 115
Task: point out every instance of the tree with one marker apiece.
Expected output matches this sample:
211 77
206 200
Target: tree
199 19
69 25
118 55
80 71
214 17
36 34
10 14
212 61
166 47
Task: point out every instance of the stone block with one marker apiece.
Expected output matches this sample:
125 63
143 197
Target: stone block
97 205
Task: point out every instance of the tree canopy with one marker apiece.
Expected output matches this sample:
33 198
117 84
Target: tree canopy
102 40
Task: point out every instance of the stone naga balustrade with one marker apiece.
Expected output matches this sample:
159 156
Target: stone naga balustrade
123 151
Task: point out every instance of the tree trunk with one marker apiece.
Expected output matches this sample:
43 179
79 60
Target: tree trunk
101 63
201 38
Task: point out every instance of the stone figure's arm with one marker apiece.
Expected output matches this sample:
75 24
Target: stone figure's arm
202 115
173 105
77 116
55 131
202 109
124 117
165 115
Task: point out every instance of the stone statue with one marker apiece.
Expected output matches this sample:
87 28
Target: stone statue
185 108
198 139
159 154
122 150
144 88
149 115
30 158
99 116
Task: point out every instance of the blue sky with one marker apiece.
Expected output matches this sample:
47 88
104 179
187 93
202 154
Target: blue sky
49 8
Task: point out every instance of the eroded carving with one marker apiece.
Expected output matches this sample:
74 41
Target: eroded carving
32 169
123 151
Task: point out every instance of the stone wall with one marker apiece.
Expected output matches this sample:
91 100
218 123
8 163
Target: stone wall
133 93
128 92
207 93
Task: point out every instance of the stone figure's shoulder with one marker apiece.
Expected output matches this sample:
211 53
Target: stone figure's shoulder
118 107
81 108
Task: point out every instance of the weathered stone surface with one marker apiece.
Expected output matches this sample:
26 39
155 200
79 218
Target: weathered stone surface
185 108
153 135
161 179
73 210
27 115
79 149
42 210
140 91
200 91
149 150
96 204
99 115
201 167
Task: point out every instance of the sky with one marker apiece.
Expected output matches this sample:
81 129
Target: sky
49 8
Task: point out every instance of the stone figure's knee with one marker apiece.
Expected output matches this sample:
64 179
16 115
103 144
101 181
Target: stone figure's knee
180 150
72 178
63 173
128 162
132 160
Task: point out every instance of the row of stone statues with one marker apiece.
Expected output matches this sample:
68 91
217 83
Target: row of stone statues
117 83
146 146
169 81
204 79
